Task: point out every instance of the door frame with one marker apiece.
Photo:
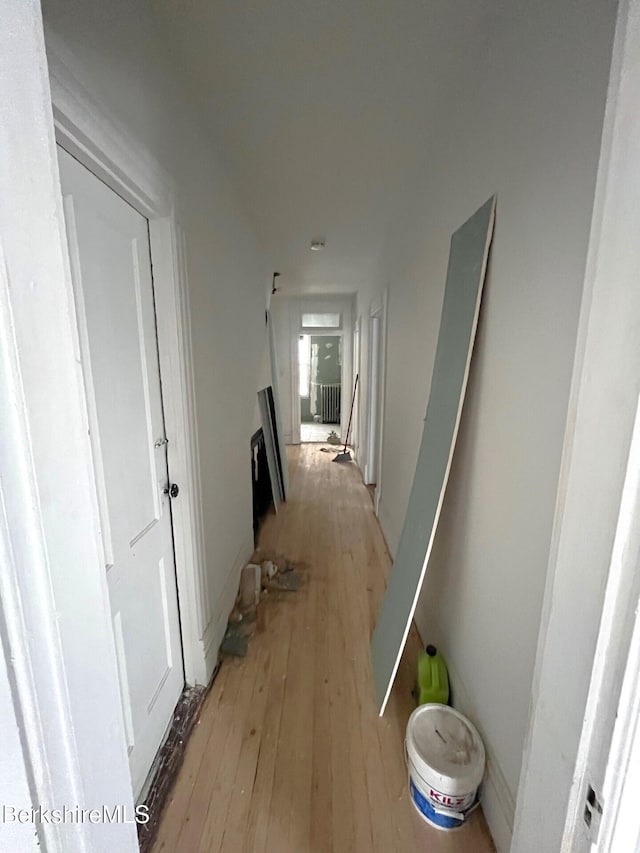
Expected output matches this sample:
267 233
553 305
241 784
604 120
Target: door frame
612 732
374 397
355 426
376 407
109 152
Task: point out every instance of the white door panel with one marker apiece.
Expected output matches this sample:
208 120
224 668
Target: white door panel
109 249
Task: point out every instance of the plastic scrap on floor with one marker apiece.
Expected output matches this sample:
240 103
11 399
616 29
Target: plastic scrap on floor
235 643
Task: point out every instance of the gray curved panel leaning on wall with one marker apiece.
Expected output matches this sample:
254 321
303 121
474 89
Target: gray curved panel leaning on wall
276 399
468 255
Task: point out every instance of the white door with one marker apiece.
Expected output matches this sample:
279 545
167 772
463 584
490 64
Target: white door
111 268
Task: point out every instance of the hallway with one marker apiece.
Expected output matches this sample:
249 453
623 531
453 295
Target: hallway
289 754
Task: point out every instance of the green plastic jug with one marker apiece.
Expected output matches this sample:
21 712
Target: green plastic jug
433 678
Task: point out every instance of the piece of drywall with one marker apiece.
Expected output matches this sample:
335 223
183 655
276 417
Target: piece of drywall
113 50
460 310
281 457
273 366
269 441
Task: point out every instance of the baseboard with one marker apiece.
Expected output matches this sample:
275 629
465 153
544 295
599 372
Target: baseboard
385 526
215 630
498 803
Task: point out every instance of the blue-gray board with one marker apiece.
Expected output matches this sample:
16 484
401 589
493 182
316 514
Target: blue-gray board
461 305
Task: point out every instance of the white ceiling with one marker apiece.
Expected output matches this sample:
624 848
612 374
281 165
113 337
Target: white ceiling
323 112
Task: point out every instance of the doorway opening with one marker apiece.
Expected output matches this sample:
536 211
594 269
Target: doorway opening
320 386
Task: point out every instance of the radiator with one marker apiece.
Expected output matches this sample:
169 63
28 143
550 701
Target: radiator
330 403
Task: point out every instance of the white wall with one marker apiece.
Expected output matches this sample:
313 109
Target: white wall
527 127
285 313
593 545
112 48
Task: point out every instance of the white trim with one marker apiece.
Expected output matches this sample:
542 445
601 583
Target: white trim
95 139
373 391
497 800
295 380
355 371
382 380
614 641
36 658
54 607
176 368
620 828
498 804
620 631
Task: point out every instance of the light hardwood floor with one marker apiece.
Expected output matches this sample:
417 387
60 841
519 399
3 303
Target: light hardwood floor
289 755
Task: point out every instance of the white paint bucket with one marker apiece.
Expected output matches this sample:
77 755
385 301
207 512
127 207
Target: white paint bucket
445 759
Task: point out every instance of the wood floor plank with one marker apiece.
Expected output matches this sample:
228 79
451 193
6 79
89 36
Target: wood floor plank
223 724
235 824
321 815
290 754
279 628
220 792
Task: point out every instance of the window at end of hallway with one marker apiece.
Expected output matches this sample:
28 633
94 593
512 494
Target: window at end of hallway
321 321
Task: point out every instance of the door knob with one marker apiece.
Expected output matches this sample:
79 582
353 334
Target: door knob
173 490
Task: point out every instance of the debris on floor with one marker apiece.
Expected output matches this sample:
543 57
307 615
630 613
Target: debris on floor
334 438
288 581
250 582
235 643
168 762
257 580
269 570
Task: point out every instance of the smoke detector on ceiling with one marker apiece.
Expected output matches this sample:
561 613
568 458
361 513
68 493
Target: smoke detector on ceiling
317 245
